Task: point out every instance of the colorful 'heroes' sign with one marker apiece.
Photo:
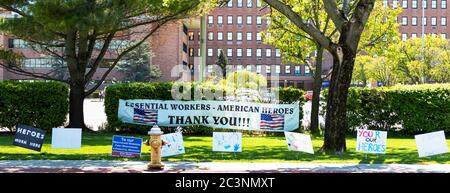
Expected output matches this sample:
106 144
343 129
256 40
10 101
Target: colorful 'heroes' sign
216 114
370 141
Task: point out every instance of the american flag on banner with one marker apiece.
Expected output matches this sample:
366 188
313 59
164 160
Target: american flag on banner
272 121
147 116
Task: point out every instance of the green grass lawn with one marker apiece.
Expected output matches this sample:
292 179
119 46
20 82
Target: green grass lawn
255 149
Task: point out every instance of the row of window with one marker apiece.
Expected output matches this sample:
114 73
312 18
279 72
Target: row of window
267 69
424 21
230 36
240 3
239 20
414 35
239 52
414 4
40 62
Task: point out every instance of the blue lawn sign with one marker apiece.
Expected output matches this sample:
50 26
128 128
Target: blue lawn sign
325 84
126 146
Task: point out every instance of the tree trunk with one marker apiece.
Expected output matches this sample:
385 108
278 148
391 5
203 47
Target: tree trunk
76 101
316 91
336 117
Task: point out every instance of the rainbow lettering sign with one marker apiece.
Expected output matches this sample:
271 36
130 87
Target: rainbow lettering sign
371 141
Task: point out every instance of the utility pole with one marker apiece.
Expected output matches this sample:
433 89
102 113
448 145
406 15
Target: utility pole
202 65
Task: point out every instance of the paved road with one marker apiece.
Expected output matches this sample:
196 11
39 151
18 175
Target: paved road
101 166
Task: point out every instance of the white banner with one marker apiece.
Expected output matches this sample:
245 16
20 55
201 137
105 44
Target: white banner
433 143
216 114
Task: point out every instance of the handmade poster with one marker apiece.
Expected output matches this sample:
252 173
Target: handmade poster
299 142
227 142
29 137
66 138
215 114
123 146
371 141
429 144
174 144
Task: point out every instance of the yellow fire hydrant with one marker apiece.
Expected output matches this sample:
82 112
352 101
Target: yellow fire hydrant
155 144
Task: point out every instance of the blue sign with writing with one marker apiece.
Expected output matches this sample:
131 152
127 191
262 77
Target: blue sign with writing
326 84
29 137
126 146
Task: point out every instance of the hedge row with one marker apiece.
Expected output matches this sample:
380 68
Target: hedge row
39 104
405 109
162 91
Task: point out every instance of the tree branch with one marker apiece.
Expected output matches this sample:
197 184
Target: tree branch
335 14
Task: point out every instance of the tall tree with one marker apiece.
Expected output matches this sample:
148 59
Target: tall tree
136 65
71 31
297 45
222 62
349 18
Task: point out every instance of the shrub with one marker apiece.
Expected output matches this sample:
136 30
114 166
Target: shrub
401 109
162 91
40 104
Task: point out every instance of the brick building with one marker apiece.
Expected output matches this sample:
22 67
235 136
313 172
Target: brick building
235 29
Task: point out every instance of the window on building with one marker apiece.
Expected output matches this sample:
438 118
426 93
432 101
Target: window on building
433 21
394 4
277 69
424 4
268 69
191 36
268 20
277 52
258 3
220 19
210 36
414 35
249 3
404 36
210 52
230 3
268 52
249 19
40 62
414 4
248 67
444 4
239 3
230 19
297 70
258 37
258 52
210 19
414 20
249 52
239 19
239 67
230 52
385 3
230 36
210 68
198 52
405 4
239 52
443 21
404 20
17 43
433 4
258 20
191 52
220 36
444 35
307 71
249 36
185 48
424 21
287 69
258 68
239 36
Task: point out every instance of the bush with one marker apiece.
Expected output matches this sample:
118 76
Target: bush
162 91
404 109
40 104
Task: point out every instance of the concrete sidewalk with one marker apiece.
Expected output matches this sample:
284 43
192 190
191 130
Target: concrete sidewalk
101 166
